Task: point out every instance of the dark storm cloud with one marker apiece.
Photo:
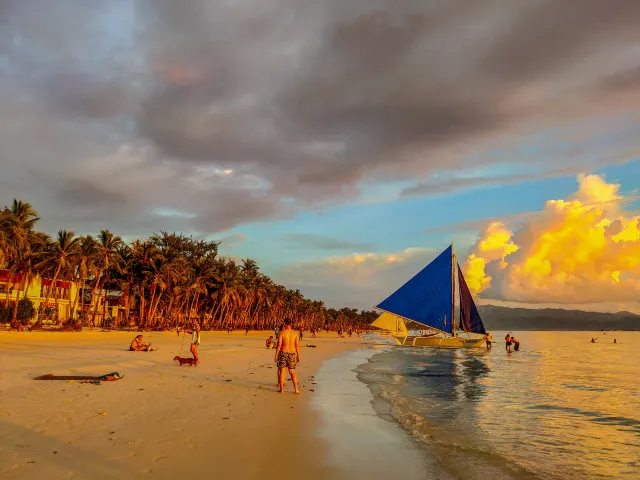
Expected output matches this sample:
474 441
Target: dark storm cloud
300 100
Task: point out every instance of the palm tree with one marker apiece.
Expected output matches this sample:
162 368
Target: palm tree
172 275
106 257
16 226
26 263
60 257
83 268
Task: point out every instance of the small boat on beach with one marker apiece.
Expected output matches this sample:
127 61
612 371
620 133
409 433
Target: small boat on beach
429 299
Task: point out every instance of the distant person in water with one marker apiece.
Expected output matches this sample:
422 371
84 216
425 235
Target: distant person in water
615 340
508 342
138 346
287 355
516 344
487 339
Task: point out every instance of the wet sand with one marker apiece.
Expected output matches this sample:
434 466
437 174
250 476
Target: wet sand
221 419
362 440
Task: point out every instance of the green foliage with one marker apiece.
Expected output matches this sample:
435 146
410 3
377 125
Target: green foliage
164 281
6 313
26 310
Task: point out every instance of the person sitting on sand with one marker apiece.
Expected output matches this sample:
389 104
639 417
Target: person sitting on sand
269 342
138 346
288 355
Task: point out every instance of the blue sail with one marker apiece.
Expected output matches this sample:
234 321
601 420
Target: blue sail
427 297
470 320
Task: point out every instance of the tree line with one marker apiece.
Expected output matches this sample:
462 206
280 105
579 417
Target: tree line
165 280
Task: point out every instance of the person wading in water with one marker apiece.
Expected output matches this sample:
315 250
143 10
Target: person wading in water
288 355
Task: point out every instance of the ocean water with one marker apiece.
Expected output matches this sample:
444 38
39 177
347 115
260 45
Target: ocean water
560 408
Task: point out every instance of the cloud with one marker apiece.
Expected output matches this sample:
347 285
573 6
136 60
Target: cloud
583 250
321 242
130 106
357 280
233 240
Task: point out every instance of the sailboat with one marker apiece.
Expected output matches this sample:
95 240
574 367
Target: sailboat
429 298
390 325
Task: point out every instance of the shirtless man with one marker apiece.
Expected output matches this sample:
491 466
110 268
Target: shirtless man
138 346
287 355
195 340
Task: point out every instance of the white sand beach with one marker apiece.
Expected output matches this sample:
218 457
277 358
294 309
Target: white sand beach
222 419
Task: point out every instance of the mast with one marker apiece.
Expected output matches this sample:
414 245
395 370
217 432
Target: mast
453 292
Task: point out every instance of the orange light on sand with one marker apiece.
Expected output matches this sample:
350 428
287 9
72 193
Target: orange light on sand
579 250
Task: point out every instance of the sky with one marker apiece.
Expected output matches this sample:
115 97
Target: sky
341 144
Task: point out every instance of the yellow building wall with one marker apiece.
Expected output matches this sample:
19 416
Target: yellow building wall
34 291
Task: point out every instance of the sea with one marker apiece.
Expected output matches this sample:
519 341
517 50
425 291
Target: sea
559 408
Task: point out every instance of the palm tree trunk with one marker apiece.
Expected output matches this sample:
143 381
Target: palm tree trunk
142 312
75 303
154 286
15 310
84 281
53 282
96 299
154 308
104 306
9 282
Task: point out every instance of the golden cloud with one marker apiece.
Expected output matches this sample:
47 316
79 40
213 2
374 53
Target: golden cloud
584 249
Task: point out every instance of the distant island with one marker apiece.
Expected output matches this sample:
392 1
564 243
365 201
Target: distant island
506 318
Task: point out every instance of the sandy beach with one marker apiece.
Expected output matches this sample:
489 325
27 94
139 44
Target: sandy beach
222 418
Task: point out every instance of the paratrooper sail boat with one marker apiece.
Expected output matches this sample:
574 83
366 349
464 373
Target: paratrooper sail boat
429 298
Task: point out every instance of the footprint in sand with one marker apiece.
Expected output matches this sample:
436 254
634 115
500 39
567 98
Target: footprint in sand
159 457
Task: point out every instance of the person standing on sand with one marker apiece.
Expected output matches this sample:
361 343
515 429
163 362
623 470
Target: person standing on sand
195 340
287 355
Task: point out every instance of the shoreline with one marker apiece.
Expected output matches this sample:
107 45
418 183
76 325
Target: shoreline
223 417
362 441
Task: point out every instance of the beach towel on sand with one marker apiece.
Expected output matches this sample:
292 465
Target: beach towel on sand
107 377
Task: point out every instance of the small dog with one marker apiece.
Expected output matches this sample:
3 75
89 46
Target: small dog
190 361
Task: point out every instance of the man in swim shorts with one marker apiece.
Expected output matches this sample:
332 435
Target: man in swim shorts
287 355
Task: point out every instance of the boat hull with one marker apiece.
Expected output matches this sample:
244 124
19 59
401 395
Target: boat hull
440 342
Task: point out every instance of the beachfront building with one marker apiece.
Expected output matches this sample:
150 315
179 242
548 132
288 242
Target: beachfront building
64 296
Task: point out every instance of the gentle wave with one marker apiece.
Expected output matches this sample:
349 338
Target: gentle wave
557 409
